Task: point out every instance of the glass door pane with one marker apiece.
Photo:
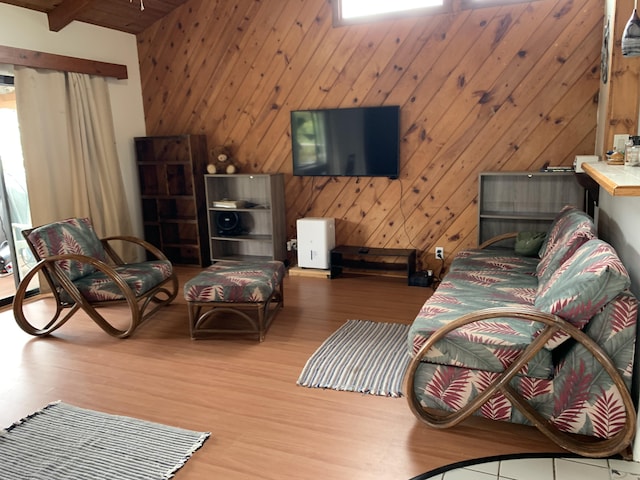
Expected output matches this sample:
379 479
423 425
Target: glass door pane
15 257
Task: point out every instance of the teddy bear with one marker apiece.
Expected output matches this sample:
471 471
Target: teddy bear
222 161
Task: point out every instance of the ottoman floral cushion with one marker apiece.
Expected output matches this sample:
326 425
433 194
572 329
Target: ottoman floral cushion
252 282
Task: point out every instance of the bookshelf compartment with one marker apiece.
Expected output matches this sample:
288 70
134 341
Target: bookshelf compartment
179 179
150 209
152 235
185 254
260 231
149 180
242 249
174 207
523 201
179 233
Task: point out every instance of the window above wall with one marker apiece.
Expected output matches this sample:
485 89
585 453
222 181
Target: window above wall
348 12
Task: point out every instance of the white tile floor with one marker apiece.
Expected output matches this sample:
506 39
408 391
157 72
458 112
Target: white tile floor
546 469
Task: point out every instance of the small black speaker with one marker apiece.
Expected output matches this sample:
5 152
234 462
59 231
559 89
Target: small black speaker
228 223
422 278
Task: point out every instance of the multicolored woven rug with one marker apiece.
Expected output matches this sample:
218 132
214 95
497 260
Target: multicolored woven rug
64 441
361 356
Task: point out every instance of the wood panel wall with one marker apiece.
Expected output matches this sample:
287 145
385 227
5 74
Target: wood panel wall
502 88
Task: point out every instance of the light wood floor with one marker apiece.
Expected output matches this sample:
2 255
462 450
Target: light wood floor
7 286
263 425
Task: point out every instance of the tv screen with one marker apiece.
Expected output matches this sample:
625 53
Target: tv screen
358 142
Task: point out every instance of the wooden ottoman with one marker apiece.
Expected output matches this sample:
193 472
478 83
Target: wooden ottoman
230 291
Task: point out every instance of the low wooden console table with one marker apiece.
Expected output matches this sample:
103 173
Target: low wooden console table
363 258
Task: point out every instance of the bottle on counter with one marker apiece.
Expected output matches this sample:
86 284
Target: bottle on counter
632 152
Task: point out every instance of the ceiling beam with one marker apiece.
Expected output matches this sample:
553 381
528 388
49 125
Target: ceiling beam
67 12
34 59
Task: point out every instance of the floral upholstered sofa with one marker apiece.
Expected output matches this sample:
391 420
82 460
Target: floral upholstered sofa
546 341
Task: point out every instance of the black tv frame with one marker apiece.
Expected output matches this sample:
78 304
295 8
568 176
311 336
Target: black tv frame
377 133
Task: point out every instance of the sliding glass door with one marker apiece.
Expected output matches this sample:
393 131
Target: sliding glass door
15 257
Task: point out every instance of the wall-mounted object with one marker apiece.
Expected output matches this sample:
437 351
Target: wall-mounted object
604 55
631 35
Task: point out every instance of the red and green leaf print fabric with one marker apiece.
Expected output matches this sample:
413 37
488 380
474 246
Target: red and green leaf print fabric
584 283
71 236
571 229
580 398
488 345
564 382
488 259
140 277
77 236
235 282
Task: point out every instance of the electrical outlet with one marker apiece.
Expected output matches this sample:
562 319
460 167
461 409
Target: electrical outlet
294 244
439 253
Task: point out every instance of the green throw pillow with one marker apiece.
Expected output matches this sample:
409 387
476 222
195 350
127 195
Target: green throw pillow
528 243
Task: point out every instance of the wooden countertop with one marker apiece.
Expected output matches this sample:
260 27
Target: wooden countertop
617 180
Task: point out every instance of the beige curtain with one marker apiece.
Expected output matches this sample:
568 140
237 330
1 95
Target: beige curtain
70 156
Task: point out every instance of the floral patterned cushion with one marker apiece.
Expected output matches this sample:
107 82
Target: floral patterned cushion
486 259
491 287
580 279
580 398
449 388
568 406
71 236
140 277
488 345
567 234
556 226
614 329
252 282
584 283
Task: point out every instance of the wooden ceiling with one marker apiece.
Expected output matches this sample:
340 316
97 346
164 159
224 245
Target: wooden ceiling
123 15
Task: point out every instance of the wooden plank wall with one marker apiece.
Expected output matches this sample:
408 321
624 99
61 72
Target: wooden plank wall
502 88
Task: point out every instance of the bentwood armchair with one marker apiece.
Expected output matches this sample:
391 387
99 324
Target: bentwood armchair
85 273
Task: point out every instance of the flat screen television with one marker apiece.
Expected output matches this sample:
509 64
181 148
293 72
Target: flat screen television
353 142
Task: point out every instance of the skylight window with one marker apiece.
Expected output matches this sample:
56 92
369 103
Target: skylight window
347 12
365 8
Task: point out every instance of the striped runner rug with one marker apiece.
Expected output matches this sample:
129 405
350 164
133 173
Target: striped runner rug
62 441
361 356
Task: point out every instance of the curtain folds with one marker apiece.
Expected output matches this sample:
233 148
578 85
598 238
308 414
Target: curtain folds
69 150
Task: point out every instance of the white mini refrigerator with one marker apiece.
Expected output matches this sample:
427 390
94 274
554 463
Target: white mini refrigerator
316 239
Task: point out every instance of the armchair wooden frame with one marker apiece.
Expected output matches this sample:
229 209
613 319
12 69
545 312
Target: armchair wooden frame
581 445
158 296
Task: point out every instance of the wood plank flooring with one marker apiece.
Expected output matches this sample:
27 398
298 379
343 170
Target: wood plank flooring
263 425
7 286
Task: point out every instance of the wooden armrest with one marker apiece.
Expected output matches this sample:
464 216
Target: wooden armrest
51 263
131 239
59 280
497 239
553 324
